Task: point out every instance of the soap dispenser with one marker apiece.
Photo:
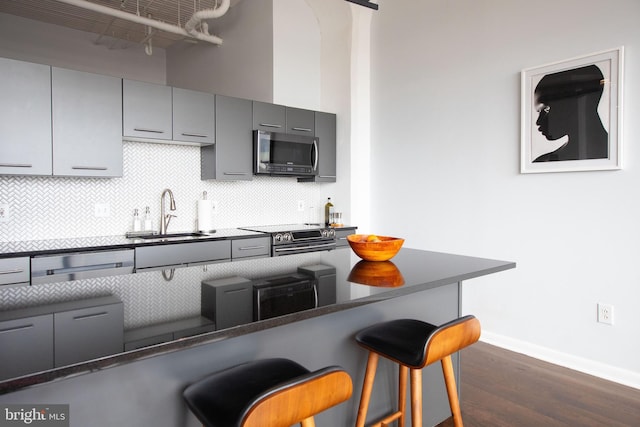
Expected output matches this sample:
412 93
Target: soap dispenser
148 222
137 223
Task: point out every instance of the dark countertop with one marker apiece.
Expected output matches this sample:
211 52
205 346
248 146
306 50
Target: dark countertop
410 271
44 247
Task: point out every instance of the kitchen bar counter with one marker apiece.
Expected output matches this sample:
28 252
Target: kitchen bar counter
358 283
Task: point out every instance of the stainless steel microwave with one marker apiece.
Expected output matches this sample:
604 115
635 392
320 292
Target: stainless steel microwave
283 154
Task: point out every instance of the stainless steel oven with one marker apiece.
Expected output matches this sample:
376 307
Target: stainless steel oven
280 295
298 238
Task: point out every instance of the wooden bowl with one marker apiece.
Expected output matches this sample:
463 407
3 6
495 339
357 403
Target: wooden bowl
383 249
383 274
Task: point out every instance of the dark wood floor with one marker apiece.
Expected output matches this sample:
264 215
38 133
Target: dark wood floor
501 388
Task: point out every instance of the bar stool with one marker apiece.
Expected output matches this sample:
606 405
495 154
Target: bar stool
267 393
414 344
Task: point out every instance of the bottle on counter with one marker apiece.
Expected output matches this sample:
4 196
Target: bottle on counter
137 223
328 212
148 222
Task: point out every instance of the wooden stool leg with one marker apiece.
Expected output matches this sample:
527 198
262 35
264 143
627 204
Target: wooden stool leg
452 390
309 422
416 397
402 393
367 386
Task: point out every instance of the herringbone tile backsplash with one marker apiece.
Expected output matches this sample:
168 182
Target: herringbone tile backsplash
57 207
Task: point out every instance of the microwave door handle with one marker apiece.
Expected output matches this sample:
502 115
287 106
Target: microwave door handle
315 154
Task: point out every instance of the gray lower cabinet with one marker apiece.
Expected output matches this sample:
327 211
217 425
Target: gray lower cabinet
341 236
88 333
325 130
251 248
182 254
228 302
25 108
15 271
231 157
87 124
26 346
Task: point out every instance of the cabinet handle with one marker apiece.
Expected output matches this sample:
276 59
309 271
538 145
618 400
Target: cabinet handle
197 135
270 125
148 130
90 168
89 316
251 248
15 165
235 173
235 291
302 129
326 176
16 328
12 271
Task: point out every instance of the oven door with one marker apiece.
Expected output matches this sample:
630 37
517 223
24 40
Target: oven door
284 295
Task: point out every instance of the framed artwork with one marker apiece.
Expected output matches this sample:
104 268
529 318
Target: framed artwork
572 114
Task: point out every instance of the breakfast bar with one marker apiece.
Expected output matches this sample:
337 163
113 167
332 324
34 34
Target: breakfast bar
143 384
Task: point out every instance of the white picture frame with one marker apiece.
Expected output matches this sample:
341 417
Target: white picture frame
571 114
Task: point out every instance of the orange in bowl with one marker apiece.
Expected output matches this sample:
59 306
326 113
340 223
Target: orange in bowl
371 247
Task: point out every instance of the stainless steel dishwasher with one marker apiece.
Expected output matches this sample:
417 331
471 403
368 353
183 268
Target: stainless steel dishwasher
80 265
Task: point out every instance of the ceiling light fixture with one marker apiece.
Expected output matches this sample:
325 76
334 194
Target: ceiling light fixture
365 3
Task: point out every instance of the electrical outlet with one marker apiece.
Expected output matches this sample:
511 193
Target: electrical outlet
605 313
300 205
4 212
102 210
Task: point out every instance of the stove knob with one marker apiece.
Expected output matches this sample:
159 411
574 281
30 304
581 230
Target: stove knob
278 237
332 233
288 237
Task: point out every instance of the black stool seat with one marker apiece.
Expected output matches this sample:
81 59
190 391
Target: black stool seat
226 398
404 341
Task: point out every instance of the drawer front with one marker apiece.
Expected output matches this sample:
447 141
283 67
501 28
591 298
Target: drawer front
81 265
341 237
88 333
14 270
182 254
27 346
244 248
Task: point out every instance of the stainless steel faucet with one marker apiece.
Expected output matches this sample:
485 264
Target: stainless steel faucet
165 219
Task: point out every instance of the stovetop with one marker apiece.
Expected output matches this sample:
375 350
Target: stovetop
283 228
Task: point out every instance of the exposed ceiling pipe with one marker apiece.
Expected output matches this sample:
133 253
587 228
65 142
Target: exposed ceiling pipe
197 18
151 22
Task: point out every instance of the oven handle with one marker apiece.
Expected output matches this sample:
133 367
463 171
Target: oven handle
298 248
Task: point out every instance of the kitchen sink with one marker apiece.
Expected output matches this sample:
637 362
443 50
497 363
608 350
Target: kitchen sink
170 235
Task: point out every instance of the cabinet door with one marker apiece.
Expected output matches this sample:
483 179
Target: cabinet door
87 124
88 333
147 110
26 346
25 108
300 122
193 116
269 117
231 158
326 133
15 271
246 248
182 254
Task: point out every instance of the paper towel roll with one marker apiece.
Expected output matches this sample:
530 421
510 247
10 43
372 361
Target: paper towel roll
205 215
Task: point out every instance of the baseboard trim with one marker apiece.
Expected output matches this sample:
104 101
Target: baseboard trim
598 369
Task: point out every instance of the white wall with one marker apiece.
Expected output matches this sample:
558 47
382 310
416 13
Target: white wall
446 127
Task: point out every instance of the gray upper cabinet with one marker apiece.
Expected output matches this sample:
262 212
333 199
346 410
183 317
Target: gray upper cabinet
300 122
193 116
325 124
269 117
25 108
231 158
87 124
147 110
157 113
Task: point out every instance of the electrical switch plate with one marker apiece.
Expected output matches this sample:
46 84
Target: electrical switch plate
4 212
300 205
102 210
605 313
